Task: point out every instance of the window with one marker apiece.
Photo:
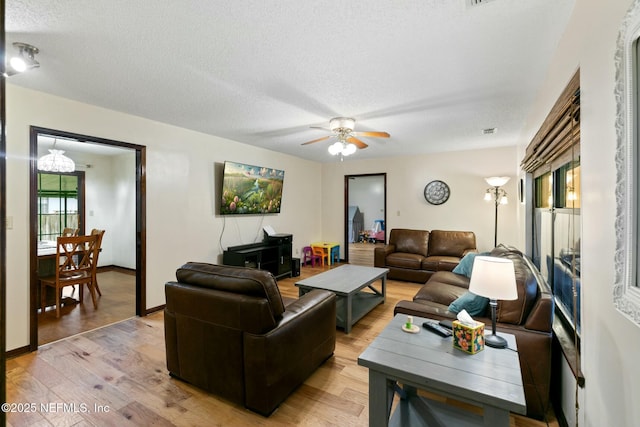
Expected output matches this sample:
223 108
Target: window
59 203
553 159
557 236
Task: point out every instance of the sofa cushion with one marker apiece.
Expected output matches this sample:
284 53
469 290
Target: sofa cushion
404 260
475 305
451 243
442 293
410 241
440 263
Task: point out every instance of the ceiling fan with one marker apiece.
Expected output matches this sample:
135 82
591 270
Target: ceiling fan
342 128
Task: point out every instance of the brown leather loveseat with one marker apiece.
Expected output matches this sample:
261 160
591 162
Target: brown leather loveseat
228 331
414 255
529 318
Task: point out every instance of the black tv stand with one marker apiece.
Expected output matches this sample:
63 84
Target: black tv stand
273 254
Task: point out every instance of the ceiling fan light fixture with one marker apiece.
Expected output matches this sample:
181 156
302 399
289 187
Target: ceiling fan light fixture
349 149
335 148
344 124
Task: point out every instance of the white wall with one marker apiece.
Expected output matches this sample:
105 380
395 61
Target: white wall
610 342
181 193
463 171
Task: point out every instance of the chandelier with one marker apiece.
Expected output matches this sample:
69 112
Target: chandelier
56 161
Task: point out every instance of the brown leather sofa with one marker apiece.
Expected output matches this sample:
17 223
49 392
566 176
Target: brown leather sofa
414 255
228 331
529 318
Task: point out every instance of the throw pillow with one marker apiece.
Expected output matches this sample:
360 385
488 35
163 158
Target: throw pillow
474 304
465 266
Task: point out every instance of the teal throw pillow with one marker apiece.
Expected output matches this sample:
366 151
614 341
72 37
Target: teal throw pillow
465 265
474 304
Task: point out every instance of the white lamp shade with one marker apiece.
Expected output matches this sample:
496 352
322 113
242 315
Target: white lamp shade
56 161
493 278
497 181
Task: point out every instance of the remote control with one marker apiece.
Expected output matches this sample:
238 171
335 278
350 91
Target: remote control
434 327
446 324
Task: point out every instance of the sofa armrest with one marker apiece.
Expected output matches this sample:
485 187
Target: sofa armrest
469 251
380 255
280 360
541 314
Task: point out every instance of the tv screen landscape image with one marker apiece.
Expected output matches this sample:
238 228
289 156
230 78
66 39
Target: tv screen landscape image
248 189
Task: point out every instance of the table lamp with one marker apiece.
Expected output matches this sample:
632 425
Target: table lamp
493 278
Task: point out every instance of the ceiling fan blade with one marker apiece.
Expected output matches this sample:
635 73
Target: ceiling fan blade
357 142
372 134
320 127
317 140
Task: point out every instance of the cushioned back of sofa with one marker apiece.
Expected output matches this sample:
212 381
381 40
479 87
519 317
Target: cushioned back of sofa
238 280
451 243
410 241
517 311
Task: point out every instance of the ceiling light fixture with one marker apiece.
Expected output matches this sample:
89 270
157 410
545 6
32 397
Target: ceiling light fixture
56 161
24 60
343 148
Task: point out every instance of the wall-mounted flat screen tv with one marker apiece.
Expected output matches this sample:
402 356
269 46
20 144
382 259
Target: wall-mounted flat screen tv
248 189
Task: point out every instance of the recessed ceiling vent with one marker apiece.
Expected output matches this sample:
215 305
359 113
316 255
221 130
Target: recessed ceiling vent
472 3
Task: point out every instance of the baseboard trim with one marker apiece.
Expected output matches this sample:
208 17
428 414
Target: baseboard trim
117 268
17 352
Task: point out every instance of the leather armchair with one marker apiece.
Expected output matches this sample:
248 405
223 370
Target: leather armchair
228 331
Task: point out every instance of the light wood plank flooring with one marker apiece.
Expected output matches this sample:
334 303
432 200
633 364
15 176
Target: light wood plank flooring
116 376
118 302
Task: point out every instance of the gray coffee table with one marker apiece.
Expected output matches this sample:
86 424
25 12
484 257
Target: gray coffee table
490 379
348 283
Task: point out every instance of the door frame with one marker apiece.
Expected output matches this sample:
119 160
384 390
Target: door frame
141 249
346 207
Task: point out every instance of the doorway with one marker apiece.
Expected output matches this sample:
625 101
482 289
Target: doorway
128 167
365 216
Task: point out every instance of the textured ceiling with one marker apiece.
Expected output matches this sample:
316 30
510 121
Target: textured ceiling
432 73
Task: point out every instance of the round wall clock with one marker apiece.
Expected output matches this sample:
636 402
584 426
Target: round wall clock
436 192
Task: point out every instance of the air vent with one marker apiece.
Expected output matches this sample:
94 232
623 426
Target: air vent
489 131
471 3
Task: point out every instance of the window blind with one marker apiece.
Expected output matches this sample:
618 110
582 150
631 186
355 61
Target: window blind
560 131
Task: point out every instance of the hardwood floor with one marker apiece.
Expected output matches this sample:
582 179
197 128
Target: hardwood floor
116 376
118 302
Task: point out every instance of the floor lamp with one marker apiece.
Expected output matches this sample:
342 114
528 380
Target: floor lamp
499 197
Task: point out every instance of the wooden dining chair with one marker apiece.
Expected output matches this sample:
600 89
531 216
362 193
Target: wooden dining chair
75 261
70 232
100 234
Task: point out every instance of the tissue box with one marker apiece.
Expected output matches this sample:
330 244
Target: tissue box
468 339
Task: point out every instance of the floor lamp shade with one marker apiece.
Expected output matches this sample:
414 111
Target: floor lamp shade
493 278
